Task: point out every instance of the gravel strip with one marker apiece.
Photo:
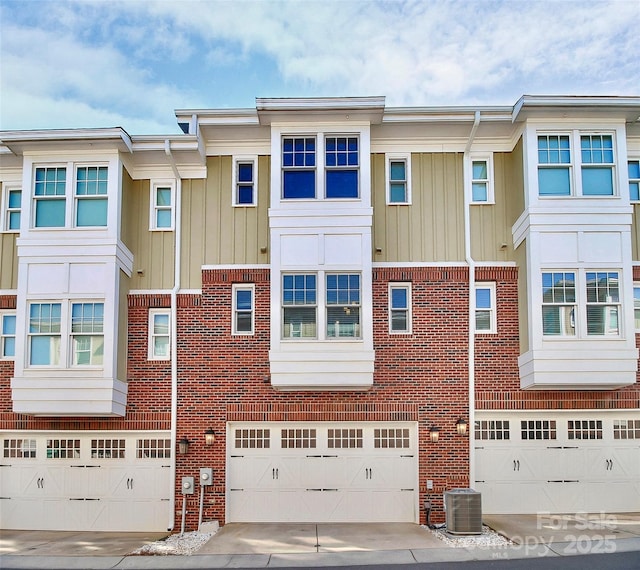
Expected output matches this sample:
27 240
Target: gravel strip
489 537
176 544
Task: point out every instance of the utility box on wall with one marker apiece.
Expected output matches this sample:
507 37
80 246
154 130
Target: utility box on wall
463 511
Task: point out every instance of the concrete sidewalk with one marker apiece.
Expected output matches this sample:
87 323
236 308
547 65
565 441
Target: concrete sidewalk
299 545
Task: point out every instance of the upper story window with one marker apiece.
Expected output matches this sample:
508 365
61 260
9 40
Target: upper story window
91 196
299 305
486 318
397 172
162 209
341 167
588 297
7 335
298 167
159 339
325 166
595 161
12 205
52 335
634 180
636 304
53 209
399 308
243 313
245 181
482 180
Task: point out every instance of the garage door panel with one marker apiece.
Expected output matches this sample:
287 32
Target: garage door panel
329 473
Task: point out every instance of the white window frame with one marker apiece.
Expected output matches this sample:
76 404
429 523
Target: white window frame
92 334
407 287
575 164
317 168
337 168
245 159
235 311
151 353
154 208
492 310
580 305
4 335
7 188
489 181
397 157
633 180
636 305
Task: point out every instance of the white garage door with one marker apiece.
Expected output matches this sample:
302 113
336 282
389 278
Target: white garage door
558 462
104 481
328 472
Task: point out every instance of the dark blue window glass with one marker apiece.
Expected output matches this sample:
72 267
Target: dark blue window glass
299 184
342 184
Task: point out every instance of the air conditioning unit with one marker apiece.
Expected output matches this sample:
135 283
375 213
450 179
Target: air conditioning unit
463 511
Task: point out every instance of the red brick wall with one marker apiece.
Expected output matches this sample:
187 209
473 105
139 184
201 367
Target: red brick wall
420 377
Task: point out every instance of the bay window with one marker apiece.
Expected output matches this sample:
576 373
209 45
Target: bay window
299 305
343 305
603 303
44 334
559 303
299 167
87 331
341 167
91 196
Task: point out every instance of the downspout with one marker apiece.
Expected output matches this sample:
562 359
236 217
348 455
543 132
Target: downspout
468 174
173 330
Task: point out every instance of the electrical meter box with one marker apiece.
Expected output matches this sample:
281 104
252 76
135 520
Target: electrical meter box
188 485
206 476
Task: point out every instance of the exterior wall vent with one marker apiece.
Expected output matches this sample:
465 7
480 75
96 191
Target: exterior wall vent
463 511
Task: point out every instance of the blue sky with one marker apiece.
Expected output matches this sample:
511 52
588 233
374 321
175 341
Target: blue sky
105 63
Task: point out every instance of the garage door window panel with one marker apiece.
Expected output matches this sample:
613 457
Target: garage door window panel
19 448
347 438
63 449
253 438
584 429
391 438
298 439
538 429
107 448
153 448
492 429
626 429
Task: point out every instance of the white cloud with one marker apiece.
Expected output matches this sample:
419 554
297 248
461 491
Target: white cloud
135 61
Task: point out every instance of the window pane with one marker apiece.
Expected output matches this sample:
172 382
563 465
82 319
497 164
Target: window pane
399 298
399 320
245 172
9 325
483 298
480 170
9 347
161 324
163 218
15 199
479 192
342 184
299 322
397 193
45 350
597 182
554 182
243 300
92 212
163 197
634 191
299 184
243 322
161 346
636 306
14 220
397 170
50 213
558 320
245 195
483 320
634 169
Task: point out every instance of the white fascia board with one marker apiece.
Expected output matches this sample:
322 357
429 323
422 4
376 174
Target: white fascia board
11 175
218 116
229 148
148 171
628 106
318 103
23 141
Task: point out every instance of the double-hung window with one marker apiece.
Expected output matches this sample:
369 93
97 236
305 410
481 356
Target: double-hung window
44 334
399 308
343 305
298 167
91 196
299 305
341 166
554 165
559 303
87 331
485 308
159 339
243 313
603 303
162 208
482 180
7 335
50 197
245 181
397 170
597 165
634 180
636 305
12 205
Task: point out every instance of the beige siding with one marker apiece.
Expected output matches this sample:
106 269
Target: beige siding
431 228
127 222
520 255
214 231
122 327
635 233
153 265
8 261
491 238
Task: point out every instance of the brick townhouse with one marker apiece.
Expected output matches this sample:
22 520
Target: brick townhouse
340 309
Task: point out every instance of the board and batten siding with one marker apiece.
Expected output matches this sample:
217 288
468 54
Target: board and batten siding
8 261
214 232
491 223
153 265
431 228
635 233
